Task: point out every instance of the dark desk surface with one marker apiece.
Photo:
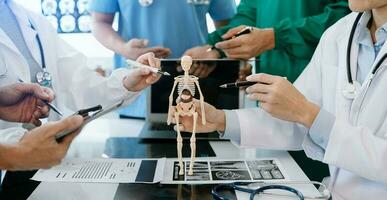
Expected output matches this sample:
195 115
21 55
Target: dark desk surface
16 185
93 142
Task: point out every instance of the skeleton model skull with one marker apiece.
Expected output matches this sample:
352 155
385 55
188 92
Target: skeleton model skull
185 107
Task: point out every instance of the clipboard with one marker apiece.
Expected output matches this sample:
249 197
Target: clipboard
89 114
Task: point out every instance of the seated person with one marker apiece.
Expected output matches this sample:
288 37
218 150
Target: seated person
334 118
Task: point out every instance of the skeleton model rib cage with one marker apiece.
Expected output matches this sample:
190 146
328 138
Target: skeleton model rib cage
185 106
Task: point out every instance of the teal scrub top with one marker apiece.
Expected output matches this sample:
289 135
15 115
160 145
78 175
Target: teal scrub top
173 24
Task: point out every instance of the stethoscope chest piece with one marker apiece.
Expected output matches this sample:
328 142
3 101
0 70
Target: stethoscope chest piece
145 3
44 78
351 90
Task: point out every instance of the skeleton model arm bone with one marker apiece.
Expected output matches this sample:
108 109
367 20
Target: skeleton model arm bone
201 101
171 101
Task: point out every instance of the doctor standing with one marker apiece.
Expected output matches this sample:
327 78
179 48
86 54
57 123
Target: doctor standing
165 27
335 112
31 51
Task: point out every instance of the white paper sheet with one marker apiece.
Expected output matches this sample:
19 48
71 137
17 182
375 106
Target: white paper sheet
104 171
215 171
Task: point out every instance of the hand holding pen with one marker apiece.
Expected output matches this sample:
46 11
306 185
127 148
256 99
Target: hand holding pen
25 103
246 30
135 64
239 84
246 46
51 106
145 71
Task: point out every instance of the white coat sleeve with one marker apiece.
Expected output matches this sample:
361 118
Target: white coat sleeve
11 135
260 129
82 87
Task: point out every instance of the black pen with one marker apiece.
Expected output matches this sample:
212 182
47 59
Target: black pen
55 109
242 84
238 84
244 31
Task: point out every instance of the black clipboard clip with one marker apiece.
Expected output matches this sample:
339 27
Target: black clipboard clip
85 113
89 114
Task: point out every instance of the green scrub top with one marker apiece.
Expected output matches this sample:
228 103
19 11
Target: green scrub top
298 26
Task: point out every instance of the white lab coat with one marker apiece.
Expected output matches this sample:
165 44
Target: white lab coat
75 85
357 148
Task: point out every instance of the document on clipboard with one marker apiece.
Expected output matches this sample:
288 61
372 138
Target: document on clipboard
97 111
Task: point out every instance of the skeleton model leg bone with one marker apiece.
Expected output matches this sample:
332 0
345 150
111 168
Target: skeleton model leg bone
193 143
179 145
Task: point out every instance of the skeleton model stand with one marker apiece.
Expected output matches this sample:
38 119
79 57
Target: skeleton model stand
186 107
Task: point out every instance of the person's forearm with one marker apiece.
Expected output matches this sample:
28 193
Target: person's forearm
309 114
108 37
246 15
221 23
299 37
7 153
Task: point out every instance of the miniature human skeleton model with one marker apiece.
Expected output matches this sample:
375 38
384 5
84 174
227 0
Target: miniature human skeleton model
185 107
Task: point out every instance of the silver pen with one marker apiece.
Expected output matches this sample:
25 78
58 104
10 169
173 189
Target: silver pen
135 64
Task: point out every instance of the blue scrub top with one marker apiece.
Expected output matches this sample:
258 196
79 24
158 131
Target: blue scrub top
173 24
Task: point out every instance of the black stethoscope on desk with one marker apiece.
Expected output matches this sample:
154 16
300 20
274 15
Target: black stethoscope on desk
353 86
43 78
264 187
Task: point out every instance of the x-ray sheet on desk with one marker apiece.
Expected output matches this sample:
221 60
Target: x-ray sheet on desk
104 171
214 171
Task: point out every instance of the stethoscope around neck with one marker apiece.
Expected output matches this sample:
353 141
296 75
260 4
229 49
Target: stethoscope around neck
43 78
353 86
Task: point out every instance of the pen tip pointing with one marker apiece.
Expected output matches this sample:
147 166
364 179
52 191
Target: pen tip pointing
167 74
223 86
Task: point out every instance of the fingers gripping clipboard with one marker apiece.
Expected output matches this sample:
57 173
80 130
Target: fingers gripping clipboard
89 115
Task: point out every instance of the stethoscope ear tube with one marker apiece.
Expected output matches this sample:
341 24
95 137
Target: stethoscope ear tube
349 48
44 77
352 87
349 91
278 187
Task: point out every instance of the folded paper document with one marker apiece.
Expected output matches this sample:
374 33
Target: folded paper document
165 171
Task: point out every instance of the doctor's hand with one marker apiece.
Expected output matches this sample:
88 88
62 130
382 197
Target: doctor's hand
278 97
140 78
38 147
23 102
200 52
215 119
134 48
248 45
201 69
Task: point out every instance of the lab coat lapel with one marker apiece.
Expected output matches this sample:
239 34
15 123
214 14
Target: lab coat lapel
28 32
19 66
6 41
